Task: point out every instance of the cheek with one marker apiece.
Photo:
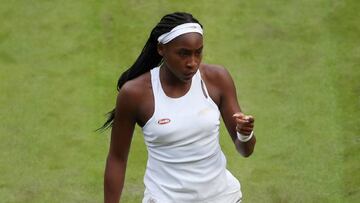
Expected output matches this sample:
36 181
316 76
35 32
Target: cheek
174 60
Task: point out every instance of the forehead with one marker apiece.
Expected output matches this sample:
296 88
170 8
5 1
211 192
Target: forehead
191 40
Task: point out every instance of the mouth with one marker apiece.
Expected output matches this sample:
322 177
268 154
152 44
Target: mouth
189 75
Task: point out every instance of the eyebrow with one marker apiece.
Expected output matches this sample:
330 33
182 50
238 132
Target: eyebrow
185 49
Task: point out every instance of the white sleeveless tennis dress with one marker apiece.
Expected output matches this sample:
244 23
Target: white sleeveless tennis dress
185 162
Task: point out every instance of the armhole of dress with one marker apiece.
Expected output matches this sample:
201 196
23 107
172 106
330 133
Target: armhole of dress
203 89
206 93
153 82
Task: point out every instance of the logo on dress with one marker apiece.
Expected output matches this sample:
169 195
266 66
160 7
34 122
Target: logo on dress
164 121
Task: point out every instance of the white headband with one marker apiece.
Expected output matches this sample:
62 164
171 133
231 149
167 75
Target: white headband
180 30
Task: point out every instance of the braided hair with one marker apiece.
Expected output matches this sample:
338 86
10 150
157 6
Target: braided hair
149 57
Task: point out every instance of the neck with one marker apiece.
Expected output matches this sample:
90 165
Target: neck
169 78
173 86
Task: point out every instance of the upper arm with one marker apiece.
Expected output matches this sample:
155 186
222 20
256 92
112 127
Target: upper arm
228 101
123 124
228 105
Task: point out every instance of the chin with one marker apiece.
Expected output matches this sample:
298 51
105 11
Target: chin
187 79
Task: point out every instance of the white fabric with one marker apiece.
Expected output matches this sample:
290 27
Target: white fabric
235 197
185 161
180 30
244 138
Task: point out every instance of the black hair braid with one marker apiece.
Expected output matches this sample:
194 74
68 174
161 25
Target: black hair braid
149 57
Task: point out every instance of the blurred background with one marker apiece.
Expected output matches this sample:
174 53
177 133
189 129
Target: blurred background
295 65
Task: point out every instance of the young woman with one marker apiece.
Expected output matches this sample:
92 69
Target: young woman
178 101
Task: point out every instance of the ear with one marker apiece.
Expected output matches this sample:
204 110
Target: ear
160 49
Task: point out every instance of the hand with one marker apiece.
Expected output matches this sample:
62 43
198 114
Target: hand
244 123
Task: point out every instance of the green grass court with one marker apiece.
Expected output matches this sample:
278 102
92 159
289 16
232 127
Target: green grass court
295 64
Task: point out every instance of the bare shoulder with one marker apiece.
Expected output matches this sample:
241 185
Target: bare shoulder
137 86
212 73
217 80
135 98
133 91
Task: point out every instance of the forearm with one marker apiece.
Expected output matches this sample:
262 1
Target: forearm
114 179
245 148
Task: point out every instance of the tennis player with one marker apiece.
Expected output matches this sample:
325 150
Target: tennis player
178 102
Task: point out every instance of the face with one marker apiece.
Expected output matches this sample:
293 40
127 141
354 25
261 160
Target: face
182 56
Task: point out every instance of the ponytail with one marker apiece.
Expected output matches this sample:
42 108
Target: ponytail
149 57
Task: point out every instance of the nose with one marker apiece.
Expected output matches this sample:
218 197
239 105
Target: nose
193 62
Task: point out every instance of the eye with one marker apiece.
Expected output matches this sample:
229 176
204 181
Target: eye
198 52
184 53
